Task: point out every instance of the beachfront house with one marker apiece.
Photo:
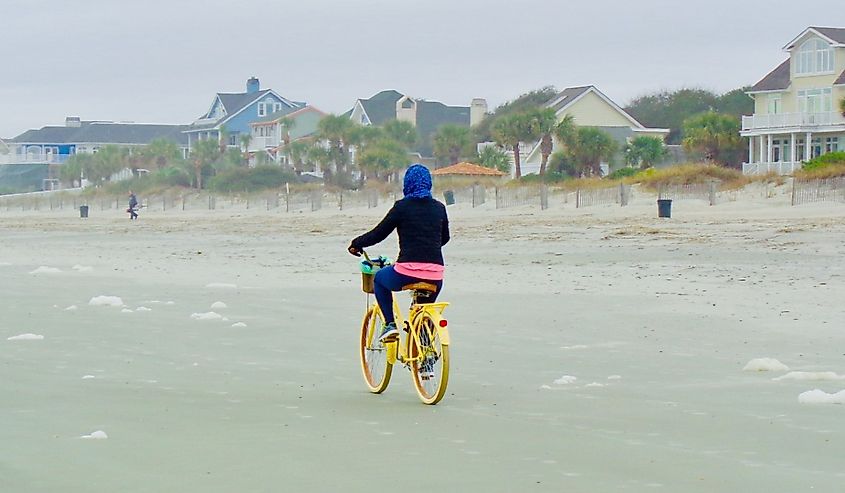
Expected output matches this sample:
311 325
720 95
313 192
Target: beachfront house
28 157
589 107
230 114
797 114
270 136
426 116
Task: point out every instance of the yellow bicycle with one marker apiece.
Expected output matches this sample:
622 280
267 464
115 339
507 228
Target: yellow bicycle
422 344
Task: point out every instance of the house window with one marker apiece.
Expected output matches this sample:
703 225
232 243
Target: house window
814 57
233 139
261 132
262 109
775 104
277 107
816 147
831 144
815 101
407 104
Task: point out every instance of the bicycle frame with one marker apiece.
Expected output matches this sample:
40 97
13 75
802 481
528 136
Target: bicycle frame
402 348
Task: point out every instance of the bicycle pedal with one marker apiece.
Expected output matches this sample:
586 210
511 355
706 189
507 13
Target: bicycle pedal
390 338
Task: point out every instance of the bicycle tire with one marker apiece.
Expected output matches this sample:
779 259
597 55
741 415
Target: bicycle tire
373 354
431 388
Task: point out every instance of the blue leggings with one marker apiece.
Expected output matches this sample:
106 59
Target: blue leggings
388 280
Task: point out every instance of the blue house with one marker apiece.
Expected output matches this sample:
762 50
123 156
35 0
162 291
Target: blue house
233 112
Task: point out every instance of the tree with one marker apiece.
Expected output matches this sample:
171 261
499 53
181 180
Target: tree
713 136
493 157
736 103
669 109
544 123
298 152
589 147
385 155
561 162
509 131
451 142
338 131
203 154
526 102
405 133
160 153
644 152
246 139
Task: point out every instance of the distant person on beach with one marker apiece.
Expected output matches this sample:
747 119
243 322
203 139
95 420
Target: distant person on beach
133 206
423 228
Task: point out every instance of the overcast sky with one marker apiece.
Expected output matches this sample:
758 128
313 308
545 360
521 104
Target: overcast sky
162 61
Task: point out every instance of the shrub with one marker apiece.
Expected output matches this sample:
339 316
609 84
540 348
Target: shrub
622 173
258 178
831 158
688 174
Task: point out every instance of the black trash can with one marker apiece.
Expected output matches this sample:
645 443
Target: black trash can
449 197
83 211
664 207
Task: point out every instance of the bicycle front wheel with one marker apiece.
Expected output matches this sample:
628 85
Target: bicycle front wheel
431 370
374 360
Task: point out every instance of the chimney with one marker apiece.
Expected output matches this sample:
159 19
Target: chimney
73 121
477 111
252 85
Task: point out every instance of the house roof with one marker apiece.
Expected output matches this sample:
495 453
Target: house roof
104 133
776 80
234 103
566 97
467 169
841 80
431 115
382 106
835 35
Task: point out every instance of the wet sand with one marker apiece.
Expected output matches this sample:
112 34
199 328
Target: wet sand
655 320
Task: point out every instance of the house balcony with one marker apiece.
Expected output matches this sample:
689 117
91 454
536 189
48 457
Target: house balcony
779 167
47 158
792 121
261 143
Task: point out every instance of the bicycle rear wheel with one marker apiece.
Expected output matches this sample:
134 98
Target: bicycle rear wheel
431 371
373 353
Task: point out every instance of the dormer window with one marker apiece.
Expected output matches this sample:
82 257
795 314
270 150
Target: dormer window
814 57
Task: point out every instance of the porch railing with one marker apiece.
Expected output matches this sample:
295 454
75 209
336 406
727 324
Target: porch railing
781 168
790 120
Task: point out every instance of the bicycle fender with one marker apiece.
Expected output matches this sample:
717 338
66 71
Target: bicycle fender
444 335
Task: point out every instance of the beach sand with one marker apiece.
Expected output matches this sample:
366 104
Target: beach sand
594 350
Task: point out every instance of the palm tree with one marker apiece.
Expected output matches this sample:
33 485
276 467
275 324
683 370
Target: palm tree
493 157
450 142
337 130
402 132
564 131
246 139
544 121
590 147
203 153
161 152
509 131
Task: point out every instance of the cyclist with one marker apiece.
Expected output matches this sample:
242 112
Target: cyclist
423 228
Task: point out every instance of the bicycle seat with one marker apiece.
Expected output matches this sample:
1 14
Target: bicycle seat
420 286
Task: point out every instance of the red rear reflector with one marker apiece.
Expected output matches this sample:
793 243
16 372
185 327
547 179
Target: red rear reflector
443 322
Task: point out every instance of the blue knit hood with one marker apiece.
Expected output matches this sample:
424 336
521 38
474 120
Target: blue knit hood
417 182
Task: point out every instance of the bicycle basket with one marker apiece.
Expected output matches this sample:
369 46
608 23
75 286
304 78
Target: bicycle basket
368 273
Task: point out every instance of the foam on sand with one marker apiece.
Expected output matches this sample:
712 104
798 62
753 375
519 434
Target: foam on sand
88 377
206 316
97 435
810 375
217 305
126 310
817 396
238 325
106 301
46 270
5 264
71 308
221 285
26 337
82 268
565 380
765 364
143 309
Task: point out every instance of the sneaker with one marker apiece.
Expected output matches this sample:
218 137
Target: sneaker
388 330
426 369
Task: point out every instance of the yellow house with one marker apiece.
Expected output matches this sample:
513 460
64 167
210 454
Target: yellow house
797 114
591 108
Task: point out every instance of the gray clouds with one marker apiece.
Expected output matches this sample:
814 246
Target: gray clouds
162 61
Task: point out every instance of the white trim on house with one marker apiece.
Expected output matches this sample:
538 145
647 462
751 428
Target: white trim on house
229 117
363 111
795 40
769 91
213 104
